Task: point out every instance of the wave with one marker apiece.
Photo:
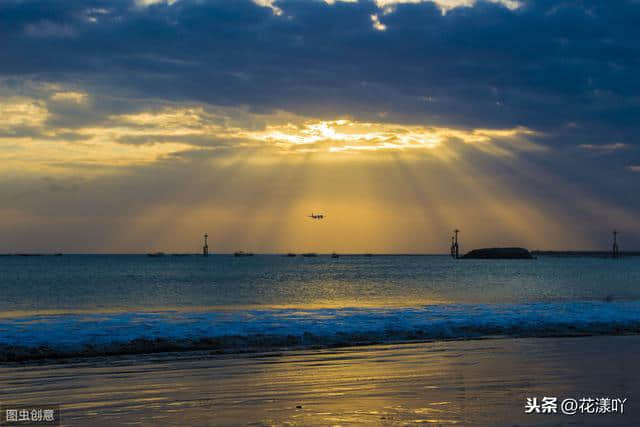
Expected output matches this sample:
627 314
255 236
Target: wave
79 335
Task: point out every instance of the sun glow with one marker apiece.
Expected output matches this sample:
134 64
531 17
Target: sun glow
152 135
352 136
281 165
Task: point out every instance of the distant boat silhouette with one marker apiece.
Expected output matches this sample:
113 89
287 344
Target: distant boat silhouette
368 255
241 253
310 254
156 254
335 255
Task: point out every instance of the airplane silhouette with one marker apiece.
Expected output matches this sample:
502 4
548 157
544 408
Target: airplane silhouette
316 216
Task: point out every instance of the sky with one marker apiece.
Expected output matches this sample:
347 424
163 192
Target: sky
139 125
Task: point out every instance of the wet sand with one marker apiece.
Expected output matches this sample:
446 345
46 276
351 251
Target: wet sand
480 382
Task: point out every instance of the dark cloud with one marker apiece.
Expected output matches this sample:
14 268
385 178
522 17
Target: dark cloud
541 65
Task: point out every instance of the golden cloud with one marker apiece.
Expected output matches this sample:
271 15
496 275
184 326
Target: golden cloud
20 112
149 136
70 96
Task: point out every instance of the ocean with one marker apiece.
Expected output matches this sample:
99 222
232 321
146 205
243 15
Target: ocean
84 305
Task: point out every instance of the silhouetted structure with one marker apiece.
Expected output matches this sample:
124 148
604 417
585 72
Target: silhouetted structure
498 253
455 249
205 248
615 251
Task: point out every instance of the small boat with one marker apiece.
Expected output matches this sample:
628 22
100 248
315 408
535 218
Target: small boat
310 254
240 253
335 255
156 254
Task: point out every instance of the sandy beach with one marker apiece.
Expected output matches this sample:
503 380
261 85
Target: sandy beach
478 382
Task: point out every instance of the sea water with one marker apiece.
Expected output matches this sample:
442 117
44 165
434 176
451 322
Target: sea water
103 304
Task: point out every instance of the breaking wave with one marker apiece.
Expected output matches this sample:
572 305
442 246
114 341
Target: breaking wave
79 335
